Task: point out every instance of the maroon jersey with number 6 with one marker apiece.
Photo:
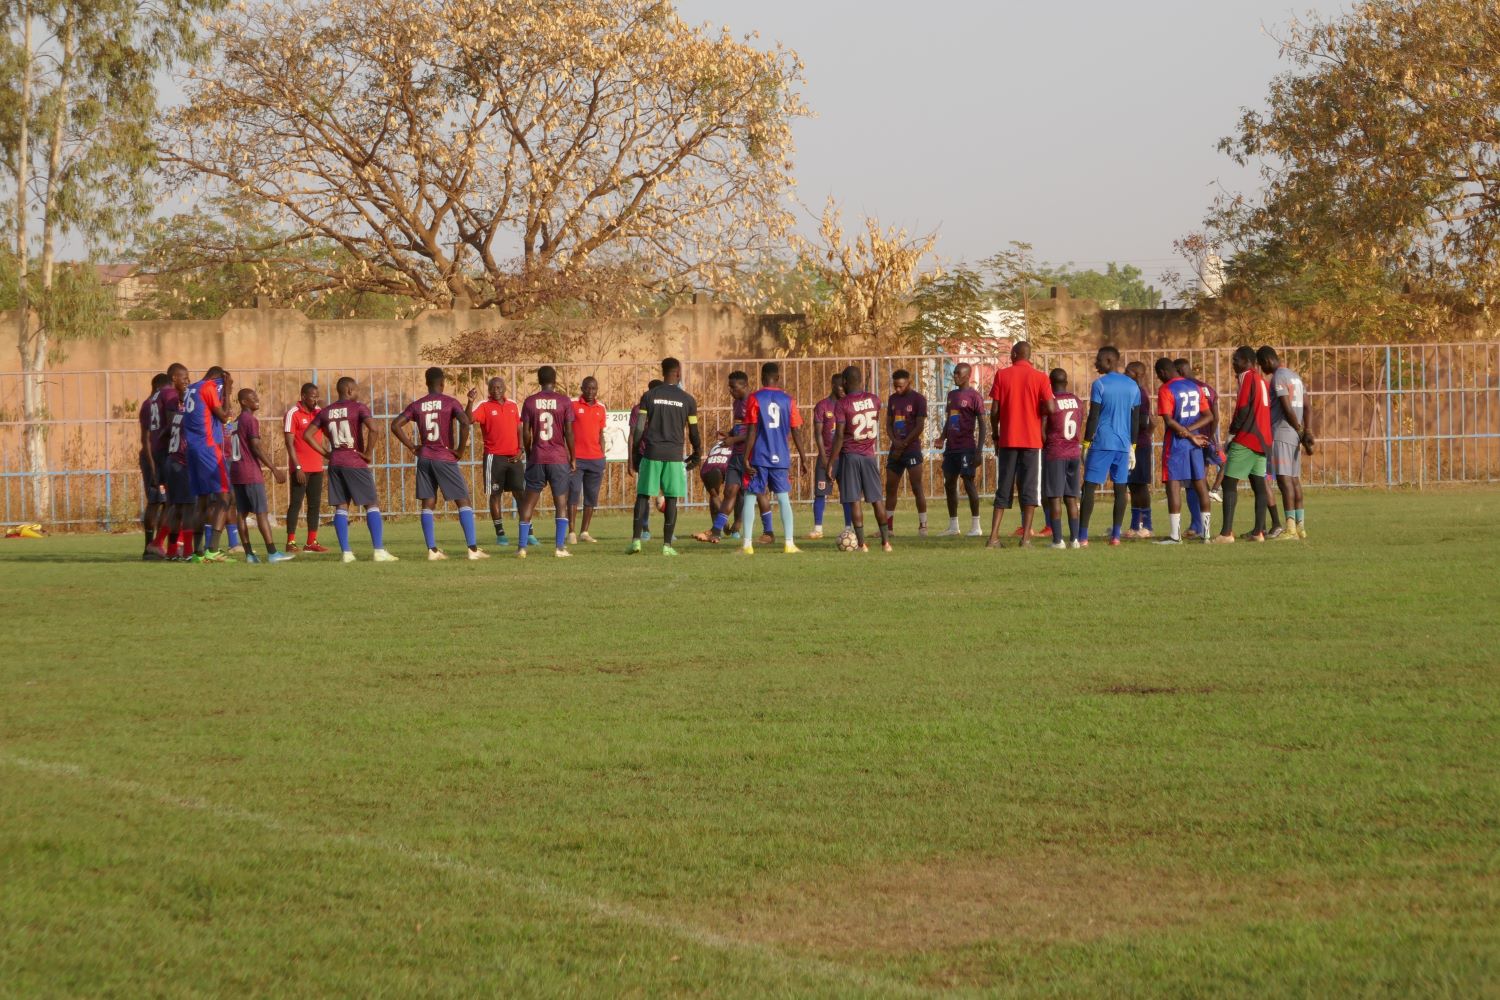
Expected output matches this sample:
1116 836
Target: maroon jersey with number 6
860 415
1065 428
434 414
341 423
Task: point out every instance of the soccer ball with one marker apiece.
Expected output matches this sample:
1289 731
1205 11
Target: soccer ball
661 505
848 540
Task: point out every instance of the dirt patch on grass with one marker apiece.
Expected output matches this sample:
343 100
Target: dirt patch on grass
1142 689
952 903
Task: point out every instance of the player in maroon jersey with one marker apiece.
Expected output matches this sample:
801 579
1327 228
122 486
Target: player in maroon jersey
962 442
905 420
347 442
547 433
435 415
1062 456
825 418
246 458
853 453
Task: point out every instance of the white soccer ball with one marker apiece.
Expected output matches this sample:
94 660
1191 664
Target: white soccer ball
848 540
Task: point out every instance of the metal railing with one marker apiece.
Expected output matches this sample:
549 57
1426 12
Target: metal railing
1383 415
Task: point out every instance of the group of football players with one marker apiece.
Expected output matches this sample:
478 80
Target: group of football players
204 466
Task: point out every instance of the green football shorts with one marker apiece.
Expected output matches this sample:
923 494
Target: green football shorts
1244 463
670 479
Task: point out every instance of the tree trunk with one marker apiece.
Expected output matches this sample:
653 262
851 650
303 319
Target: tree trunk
33 361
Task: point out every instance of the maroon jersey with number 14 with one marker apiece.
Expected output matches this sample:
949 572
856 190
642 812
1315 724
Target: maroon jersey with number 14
341 423
1065 428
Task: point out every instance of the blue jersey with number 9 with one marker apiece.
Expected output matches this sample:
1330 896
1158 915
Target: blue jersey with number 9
774 414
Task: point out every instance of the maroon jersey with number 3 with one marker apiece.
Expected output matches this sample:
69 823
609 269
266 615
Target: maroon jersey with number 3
547 413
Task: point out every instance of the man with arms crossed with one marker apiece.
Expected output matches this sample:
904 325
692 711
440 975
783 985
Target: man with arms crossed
1290 415
962 443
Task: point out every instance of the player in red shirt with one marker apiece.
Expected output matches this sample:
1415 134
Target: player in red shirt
589 418
1022 397
305 472
1250 440
499 423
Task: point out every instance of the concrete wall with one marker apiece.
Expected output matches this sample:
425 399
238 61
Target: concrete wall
284 338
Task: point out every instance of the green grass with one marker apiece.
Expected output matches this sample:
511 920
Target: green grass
1255 770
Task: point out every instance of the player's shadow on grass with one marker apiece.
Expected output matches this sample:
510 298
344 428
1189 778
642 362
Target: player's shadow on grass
64 557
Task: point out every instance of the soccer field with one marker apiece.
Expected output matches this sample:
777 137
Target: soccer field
1245 770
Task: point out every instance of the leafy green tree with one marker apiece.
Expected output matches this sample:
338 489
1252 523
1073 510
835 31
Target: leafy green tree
1379 153
77 107
950 307
228 256
1116 287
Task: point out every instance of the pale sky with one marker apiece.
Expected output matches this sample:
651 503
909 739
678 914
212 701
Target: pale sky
1085 127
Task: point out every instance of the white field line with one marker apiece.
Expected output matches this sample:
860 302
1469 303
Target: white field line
529 885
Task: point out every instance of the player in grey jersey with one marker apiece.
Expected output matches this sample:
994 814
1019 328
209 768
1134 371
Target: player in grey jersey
1290 436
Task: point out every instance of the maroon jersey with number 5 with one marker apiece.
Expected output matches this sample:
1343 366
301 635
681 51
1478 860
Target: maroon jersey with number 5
434 414
1065 428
